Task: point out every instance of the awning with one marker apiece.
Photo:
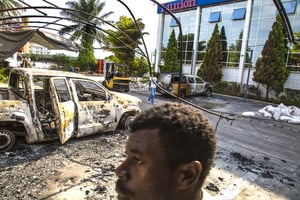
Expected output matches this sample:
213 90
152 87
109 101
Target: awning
12 41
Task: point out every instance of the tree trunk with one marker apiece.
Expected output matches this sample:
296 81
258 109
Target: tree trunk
267 92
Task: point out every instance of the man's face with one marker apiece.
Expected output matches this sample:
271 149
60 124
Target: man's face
144 174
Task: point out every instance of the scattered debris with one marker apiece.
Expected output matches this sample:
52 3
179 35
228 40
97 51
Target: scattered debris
212 187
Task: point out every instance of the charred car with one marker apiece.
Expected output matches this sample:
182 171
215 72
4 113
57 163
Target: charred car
189 85
43 105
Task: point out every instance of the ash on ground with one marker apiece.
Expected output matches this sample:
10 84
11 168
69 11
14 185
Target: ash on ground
84 169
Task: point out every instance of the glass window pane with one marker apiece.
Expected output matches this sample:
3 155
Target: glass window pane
226 15
199 80
214 17
290 7
238 14
173 23
62 90
268 11
255 12
191 80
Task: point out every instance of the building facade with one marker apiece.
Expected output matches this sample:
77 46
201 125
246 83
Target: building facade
247 24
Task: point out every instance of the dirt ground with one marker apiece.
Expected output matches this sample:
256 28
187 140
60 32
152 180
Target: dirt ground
81 169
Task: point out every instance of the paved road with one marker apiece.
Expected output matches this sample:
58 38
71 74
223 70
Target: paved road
257 158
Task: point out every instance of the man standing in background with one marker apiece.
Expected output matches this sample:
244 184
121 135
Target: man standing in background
152 86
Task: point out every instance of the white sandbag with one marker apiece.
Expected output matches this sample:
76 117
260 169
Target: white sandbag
277 113
294 120
265 113
248 114
295 111
284 118
270 109
282 106
285 111
262 111
265 109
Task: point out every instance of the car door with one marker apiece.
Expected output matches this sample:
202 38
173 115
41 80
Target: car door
192 83
64 108
200 86
95 109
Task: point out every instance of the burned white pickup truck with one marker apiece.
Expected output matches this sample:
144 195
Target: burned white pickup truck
44 105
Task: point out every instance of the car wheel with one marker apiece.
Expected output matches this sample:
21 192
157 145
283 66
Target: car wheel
116 87
208 93
7 140
125 122
182 93
170 89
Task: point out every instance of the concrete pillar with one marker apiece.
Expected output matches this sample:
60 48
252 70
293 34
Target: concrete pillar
161 19
245 42
196 38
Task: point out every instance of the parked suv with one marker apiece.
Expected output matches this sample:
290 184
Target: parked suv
189 84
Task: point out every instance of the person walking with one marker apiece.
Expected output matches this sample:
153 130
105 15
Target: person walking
152 86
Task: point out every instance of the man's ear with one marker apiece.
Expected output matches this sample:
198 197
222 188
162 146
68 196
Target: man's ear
188 174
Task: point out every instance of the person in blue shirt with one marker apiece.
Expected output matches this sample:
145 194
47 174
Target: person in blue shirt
152 86
72 69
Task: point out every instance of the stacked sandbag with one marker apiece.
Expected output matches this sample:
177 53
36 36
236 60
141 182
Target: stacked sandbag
290 114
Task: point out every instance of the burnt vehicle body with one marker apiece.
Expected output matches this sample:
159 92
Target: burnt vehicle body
45 105
166 80
189 85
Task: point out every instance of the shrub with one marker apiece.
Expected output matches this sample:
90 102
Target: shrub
4 70
291 97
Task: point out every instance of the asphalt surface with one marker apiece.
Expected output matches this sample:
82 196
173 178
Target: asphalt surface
257 157
223 104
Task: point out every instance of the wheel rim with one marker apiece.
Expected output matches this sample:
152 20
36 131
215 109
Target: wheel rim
7 140
127 122
208 93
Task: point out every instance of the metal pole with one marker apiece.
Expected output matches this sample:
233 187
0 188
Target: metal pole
248 76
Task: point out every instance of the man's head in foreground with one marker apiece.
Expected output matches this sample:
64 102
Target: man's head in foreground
170 151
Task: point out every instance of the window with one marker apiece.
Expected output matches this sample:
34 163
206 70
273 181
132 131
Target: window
89 91
191 80
173 22
62 90
199 80
238 14
214 17
17 84
290 7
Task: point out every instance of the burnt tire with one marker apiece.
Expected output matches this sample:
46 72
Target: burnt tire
182 93
7 140
208 93
116 87
125 122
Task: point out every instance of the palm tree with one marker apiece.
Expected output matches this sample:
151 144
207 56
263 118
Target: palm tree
124 41
8 4
85 27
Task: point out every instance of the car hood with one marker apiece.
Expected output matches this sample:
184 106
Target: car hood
126 98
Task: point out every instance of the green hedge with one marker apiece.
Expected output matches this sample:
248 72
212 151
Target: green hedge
4 71
290 97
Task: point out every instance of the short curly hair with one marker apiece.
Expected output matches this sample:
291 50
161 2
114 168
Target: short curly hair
185 134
